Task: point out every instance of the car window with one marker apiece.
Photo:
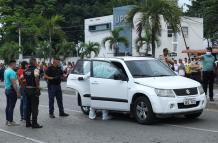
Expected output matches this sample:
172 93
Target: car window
102 69
148 68
82 67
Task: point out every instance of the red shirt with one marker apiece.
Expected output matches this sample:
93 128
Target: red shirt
20 75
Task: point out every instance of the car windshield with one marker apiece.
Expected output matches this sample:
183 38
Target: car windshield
148 68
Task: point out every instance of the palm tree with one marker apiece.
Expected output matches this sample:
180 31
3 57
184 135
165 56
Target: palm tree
51 27
9 50
66 49
43 49
87 49
114 39
141 41
151 12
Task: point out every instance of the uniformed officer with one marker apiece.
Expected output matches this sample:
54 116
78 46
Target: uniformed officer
54 75
32 91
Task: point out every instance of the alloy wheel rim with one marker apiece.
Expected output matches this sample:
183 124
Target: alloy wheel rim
141 110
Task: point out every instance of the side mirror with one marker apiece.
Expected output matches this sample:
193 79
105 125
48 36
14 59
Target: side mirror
80 78
120 77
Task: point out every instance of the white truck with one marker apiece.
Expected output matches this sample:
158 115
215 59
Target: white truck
143 86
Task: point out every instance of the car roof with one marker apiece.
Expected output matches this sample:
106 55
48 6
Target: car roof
126 58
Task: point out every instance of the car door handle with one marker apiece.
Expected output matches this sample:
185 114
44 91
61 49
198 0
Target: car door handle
94 82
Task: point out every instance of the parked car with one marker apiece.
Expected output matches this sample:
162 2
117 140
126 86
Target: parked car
145 87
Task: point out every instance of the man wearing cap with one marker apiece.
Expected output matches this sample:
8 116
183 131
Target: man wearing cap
54 75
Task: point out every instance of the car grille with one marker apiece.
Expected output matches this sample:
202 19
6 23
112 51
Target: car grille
182 106
186 91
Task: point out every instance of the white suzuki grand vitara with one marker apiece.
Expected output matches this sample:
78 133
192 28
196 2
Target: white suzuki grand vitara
145 87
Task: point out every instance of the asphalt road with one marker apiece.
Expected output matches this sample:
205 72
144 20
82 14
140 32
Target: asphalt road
77 128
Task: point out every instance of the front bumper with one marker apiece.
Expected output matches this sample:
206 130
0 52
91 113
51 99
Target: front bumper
167 105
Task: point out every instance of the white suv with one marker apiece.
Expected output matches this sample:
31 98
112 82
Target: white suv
145 87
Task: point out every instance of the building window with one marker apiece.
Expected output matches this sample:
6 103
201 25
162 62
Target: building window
169 31
185 31
100 27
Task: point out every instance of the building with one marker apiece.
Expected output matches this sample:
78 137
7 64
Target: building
96 29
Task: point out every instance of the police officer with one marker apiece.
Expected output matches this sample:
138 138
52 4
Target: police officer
54 75
32 92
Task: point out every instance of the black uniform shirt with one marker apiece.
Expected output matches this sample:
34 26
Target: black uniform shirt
55 72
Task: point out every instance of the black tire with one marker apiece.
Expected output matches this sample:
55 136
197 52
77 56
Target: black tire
85 110
143 112
193 116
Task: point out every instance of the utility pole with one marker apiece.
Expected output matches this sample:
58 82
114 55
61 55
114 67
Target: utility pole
20 51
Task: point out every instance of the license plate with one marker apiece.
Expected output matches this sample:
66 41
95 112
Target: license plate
189 102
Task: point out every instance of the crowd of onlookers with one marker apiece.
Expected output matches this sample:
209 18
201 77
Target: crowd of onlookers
42 66
201 68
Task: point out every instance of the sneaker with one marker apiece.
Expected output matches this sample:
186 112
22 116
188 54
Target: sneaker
211 99
63 114
52 116
13 124
37 126
28 125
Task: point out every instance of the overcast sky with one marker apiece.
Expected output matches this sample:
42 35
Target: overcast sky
182 2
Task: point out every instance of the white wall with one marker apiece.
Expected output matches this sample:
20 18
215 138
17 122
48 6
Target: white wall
99 35
194 39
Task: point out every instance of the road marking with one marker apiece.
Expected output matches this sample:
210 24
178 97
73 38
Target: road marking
193 128
21 136
66 109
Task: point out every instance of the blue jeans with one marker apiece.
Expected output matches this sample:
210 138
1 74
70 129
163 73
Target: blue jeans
54 91
23 104
11 97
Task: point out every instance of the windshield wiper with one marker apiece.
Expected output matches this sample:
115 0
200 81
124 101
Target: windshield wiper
163 75
142 76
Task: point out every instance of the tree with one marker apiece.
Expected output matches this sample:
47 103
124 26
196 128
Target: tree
114 39
66 49
9 51
206 9
43 50
87 49
151 12
145 40
50 27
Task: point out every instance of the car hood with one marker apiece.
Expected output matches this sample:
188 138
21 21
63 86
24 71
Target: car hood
168 82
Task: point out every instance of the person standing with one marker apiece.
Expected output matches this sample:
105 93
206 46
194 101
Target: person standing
165 58
32 91
195 70
187 68
23 99
208 62
54 75
181 68
11 91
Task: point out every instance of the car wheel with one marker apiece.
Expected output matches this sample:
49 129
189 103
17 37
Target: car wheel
85 110
193 116
143 111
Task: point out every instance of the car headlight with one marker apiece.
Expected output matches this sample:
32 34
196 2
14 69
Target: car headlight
165 92
200 90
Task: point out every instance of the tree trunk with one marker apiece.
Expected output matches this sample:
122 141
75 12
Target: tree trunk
153 45
50 46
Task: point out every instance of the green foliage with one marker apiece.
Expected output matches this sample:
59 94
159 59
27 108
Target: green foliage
114 39
87 49
66 49
206 9
151 12
9 50
50 20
